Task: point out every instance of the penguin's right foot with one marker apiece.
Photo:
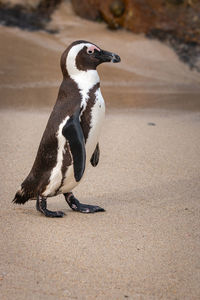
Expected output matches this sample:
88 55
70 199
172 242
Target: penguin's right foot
83 208
41 205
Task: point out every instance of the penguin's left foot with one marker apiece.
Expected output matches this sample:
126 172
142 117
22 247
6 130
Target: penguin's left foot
77 206
41 205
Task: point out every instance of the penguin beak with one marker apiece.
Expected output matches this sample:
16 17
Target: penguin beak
105 56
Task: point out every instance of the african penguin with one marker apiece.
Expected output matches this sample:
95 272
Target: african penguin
70 140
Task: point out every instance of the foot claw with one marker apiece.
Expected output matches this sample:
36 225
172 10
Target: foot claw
53 214
60 214
41 206
83 208
89 209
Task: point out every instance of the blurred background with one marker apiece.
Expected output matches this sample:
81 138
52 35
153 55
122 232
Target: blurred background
158 41
146 244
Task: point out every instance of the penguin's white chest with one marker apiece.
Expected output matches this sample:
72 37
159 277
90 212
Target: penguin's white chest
63 184
96 122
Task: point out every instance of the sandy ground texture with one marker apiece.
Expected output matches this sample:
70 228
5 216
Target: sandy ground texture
147 243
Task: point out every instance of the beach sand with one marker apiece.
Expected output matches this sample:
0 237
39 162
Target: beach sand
147 243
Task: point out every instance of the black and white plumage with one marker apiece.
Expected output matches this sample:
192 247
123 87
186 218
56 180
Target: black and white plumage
70 140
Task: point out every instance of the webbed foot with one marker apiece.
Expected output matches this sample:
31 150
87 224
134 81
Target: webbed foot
41 205
83 208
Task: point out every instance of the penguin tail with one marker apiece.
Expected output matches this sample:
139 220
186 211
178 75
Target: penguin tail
21 197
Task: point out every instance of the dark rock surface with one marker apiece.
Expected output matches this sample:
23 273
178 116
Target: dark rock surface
27 16
176 22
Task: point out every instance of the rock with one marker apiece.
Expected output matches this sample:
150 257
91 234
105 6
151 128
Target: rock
117 8
31 14
87 9
176 22
182 17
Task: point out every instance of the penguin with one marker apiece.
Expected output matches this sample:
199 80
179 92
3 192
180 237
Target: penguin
70 140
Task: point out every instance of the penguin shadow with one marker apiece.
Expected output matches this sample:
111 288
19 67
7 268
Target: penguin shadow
32 212
111 202
55 205
25 211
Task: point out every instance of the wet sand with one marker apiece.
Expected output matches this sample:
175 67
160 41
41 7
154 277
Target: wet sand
146 244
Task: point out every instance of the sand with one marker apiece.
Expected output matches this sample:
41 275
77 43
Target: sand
147 244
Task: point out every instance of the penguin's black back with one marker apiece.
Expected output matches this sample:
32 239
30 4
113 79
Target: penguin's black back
68 101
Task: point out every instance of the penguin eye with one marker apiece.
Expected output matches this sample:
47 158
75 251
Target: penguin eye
90 51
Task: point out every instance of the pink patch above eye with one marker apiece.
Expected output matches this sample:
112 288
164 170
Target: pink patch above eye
92 48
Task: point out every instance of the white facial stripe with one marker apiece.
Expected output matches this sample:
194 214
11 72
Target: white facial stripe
71 58
84 79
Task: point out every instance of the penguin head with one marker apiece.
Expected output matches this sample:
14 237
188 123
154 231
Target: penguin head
84 56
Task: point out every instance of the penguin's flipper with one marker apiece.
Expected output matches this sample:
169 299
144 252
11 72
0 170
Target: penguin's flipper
72 131
95 156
